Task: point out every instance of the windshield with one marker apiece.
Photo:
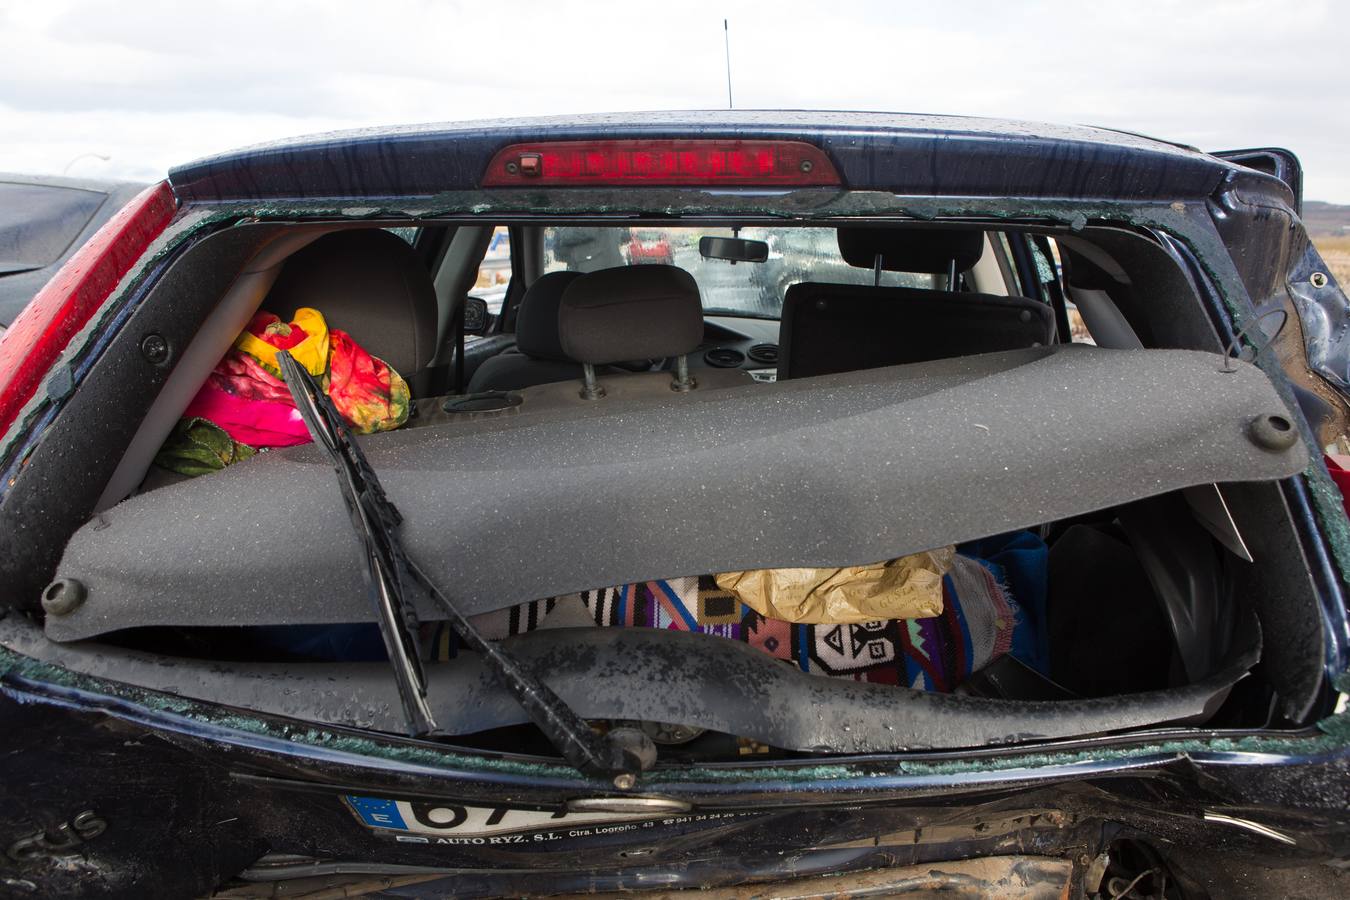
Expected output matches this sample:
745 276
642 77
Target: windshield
753 289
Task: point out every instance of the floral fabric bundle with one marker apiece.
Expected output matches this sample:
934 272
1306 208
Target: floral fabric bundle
245 400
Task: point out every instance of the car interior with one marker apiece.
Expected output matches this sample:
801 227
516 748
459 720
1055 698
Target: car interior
599 333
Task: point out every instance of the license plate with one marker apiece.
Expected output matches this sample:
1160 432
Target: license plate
420 822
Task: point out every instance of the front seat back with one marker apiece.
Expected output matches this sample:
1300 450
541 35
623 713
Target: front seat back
370 284
828 328
650 311
538 357
631 312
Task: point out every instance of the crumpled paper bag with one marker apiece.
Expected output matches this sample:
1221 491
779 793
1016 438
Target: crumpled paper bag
909 587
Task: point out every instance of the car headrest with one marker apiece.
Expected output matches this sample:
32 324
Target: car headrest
537 317
924 250
630 312
370 284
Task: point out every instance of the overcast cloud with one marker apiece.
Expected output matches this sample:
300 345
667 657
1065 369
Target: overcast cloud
153 84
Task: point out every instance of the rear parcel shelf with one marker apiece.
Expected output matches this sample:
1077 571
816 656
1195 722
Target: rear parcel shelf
836 470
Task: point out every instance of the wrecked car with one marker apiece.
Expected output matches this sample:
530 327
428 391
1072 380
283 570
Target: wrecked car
817 546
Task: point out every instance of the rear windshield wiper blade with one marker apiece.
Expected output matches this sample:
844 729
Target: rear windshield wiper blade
373 518
620 755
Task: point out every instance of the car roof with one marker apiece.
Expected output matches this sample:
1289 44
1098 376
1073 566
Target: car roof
910 154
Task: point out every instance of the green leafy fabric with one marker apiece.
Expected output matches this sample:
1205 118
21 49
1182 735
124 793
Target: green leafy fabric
197 446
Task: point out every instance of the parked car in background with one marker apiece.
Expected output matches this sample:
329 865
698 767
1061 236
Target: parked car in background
646 245
44 219
819 559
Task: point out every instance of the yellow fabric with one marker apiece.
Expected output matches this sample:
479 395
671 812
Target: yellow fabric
906 588
312 352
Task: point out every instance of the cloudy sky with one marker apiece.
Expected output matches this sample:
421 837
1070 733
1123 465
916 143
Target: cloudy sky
151 84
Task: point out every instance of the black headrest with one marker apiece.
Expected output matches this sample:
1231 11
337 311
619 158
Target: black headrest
926 250
630 312
370 284
537 317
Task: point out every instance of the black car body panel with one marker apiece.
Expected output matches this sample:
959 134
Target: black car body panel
197 796
1276 161
904 154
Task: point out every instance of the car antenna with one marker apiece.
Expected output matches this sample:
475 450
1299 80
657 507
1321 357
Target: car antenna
726 39
620 755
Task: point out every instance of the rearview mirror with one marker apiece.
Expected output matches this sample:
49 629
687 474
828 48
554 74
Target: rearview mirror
475 315
732 249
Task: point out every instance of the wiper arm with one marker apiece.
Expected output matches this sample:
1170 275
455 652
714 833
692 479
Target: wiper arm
619 755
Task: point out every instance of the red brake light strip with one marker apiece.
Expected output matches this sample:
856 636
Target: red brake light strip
654 163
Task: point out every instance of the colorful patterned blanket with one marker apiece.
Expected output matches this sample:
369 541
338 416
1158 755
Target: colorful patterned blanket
993 604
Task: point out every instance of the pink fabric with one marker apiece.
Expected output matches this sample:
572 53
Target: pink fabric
257 423
242 375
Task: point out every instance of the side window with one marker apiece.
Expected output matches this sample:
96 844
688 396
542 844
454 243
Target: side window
494 273
1050 270
1020 269
1046 269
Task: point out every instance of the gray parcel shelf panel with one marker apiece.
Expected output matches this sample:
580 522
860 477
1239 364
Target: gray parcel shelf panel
844 469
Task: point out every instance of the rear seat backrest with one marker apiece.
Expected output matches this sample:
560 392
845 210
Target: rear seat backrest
372 285
828 328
